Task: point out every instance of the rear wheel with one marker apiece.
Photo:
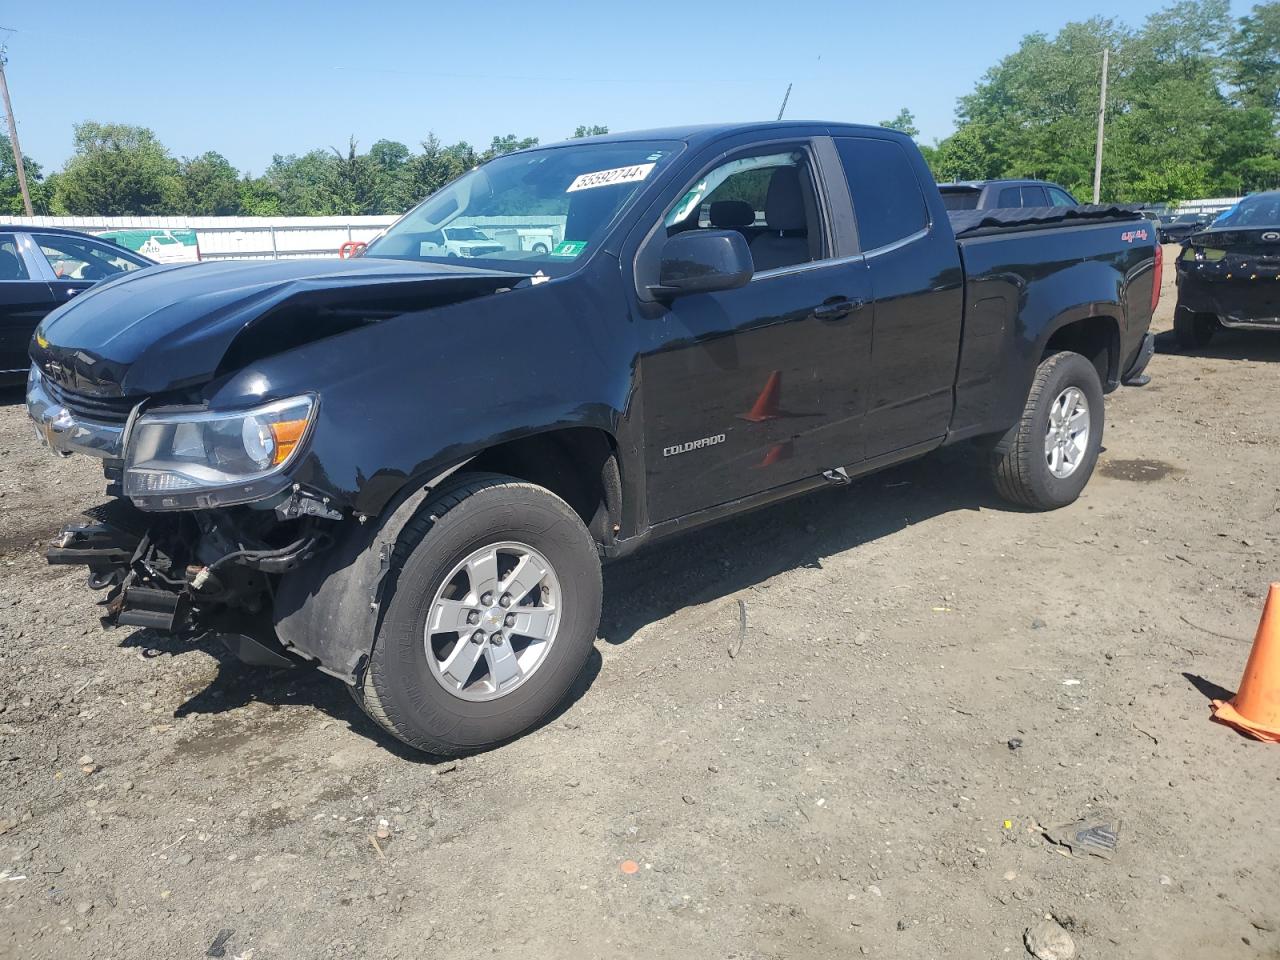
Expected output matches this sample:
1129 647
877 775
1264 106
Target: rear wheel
493 614
1045 460
1193 330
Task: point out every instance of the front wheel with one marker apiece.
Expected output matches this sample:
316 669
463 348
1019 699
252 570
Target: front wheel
1047 457
493 613
1193 330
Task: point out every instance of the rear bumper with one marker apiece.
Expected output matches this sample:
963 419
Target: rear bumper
1245 302
60 430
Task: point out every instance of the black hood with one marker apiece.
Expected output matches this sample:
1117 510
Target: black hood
172 327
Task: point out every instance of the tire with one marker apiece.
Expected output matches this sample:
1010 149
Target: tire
540 248
1020 461
400 690
1193 330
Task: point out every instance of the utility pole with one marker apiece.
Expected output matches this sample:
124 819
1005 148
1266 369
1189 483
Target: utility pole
1102 120
783 108
13 135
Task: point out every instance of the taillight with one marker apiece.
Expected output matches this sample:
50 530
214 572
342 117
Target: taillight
1157 276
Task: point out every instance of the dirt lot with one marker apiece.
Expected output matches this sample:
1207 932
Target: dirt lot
844 786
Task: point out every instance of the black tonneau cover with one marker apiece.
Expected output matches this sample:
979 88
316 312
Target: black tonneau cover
976 223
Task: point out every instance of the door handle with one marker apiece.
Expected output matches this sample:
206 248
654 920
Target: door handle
838 307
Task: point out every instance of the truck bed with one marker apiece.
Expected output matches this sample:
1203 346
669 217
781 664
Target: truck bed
972 223
1020 267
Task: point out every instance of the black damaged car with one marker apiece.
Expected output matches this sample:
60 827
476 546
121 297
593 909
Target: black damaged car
1229 274
406 468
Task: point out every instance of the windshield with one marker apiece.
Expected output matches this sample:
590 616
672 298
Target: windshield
537 210
1260 210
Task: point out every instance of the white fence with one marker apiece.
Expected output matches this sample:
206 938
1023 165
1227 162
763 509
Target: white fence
239 237
277 238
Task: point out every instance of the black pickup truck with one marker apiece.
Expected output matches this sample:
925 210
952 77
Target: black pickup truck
406 468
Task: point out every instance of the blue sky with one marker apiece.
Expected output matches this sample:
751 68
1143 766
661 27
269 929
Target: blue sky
253 79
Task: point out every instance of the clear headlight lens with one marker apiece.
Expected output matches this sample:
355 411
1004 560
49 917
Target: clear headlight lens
221 457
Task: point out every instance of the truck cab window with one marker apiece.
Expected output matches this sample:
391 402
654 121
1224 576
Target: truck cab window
887 199
768 198
1034 196
1010 197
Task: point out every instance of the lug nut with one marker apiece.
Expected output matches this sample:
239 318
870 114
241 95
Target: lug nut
487 599
506 600
509 620
496 639
478 637
473 616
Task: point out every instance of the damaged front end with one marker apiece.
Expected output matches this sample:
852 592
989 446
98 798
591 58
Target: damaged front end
194 573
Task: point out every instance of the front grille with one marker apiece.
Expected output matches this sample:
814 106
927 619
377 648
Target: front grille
114 410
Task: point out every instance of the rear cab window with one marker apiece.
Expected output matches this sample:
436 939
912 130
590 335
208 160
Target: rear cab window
963 199
888 202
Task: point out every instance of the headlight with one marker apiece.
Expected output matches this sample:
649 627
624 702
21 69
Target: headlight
199 460
1203 254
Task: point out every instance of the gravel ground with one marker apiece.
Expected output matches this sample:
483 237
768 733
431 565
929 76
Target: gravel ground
928 679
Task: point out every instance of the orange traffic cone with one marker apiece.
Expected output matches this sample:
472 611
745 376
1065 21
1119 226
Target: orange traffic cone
766 406
1255 709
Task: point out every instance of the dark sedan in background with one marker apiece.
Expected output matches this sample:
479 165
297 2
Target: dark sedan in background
42 268
1176 228
1229 274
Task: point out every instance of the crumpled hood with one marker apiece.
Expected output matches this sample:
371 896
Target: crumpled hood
170 327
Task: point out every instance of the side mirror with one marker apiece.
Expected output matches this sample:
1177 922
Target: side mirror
703 261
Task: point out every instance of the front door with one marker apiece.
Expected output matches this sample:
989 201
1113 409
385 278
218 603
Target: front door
24 300
753 388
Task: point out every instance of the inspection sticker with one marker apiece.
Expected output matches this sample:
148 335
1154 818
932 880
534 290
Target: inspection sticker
568 248
607 178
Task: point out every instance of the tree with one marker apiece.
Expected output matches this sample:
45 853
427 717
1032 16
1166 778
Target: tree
350 183
10 193
297 183
393 186
904 122
117 170
508 144
1255 58
594 130
210 186
438 165
1176 125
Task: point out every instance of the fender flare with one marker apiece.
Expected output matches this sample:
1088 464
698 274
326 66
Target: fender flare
330 611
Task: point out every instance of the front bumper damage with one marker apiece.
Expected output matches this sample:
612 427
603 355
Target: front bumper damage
205 574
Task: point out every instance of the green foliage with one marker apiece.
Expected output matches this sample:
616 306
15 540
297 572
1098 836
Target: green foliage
592 130
904 122
117 170
1191 108
209 186
351 183
11 194
1255 58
